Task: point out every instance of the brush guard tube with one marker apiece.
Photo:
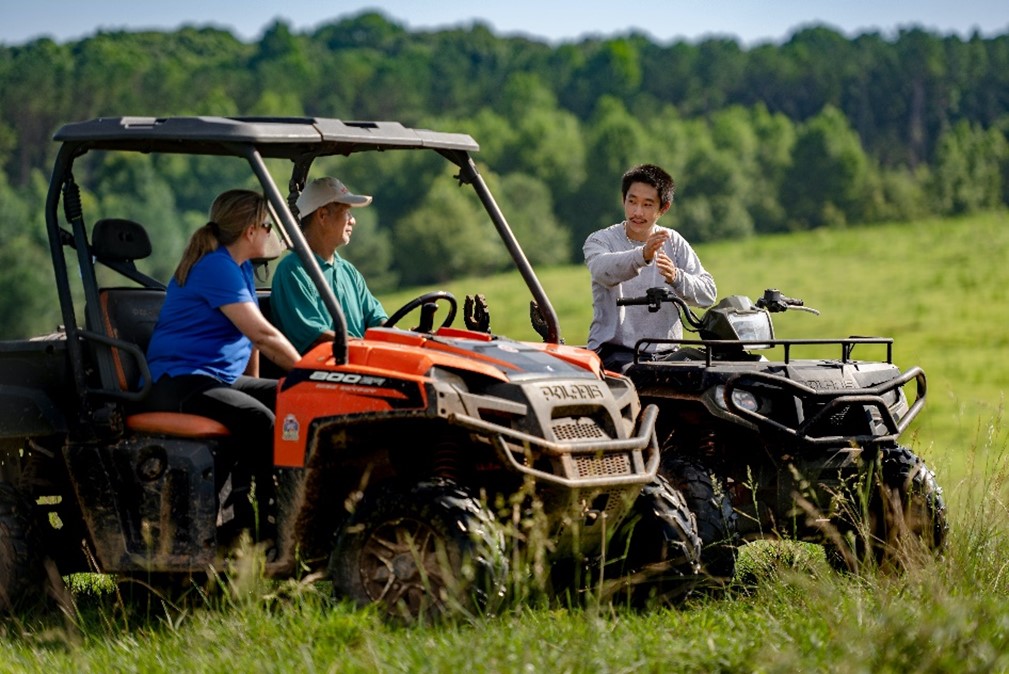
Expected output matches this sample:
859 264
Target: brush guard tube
866 397
514 445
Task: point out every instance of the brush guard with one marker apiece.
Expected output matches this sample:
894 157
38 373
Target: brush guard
640 454
867 397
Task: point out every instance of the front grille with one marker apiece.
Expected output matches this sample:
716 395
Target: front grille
608 504
607 465
578 429
846 420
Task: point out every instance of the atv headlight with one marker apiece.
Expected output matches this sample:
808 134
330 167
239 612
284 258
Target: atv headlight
742 399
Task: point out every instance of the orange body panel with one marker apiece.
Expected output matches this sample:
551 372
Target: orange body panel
400 352
582 357
309 400
386 371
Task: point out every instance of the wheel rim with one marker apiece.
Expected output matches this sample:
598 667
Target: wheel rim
402 566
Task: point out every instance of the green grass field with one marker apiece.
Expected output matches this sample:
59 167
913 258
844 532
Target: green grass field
938 287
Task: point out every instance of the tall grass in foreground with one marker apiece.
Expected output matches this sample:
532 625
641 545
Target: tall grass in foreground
928 285
786 611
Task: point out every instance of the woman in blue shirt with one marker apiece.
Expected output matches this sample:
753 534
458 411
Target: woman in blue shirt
204 353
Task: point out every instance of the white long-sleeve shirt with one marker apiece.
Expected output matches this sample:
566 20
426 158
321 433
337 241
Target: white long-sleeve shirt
618 269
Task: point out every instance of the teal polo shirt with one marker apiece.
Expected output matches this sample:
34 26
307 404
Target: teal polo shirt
297 308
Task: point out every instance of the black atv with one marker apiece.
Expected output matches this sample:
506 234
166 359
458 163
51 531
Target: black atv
787 448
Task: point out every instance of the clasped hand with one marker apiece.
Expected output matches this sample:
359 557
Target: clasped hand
653 250
665 266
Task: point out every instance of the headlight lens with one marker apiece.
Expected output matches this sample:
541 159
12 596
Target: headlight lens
742 399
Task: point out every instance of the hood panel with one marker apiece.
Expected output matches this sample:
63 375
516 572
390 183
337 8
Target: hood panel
518 361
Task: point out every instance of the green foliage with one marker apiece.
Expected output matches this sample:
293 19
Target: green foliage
610 68
445 237
14 216
818 131
718 177
897 195
28 305
29 296
826 182
615 142
371 251
968 173
544 141
135 190
709 218
528 207
774 142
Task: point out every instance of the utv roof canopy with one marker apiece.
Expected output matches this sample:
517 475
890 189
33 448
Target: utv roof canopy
280 137
298 139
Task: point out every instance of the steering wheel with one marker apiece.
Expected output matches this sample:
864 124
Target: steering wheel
427 317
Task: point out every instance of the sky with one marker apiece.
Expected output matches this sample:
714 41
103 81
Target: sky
749 21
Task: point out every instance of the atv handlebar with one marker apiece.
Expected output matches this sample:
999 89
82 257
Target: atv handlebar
654 297
775 302
772 300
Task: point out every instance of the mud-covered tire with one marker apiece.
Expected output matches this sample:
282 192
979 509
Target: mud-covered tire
21 569
708 499
656 550
420 553
905 512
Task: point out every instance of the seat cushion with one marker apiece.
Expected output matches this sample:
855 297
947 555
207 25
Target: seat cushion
177 425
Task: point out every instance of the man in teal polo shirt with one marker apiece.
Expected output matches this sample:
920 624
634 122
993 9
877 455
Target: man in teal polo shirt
296 306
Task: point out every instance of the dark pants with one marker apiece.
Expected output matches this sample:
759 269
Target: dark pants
615 357
245 407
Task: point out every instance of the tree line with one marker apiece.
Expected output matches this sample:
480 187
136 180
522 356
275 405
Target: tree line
818 131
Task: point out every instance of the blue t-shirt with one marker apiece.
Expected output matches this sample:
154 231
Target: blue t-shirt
193 336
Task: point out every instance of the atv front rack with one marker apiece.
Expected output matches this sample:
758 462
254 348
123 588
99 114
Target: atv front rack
517 448
712 348
833 404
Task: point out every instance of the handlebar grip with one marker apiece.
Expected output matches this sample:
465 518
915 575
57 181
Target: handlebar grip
774 301
628 301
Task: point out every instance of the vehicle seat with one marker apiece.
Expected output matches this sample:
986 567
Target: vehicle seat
130 314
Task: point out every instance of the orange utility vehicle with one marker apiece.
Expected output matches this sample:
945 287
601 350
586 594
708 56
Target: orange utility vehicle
399 456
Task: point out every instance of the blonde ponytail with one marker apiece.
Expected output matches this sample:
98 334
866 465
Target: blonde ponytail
230 215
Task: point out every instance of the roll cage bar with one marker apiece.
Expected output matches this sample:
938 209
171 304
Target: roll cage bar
299 139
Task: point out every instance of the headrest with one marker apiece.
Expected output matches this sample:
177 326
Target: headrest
119 240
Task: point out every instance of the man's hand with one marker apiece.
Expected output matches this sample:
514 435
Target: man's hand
666 267
476 313
653 243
